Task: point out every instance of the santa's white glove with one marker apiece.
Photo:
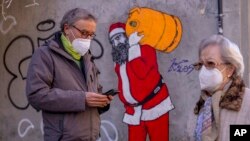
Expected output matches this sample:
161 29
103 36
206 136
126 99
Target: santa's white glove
134 39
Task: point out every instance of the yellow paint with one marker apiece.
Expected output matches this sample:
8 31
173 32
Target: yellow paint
161 31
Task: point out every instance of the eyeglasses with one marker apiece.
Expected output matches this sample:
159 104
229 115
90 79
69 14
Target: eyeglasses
84 33
208 65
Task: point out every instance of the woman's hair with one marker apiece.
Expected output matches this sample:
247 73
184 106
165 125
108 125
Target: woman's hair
230 52
74 15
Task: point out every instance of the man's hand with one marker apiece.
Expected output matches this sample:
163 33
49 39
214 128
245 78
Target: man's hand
97 100
134 39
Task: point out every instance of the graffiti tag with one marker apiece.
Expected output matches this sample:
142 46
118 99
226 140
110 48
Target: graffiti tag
182 66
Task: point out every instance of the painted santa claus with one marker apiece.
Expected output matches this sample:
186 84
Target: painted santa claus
142 89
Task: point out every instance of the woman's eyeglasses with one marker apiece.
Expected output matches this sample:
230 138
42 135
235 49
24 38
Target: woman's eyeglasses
208 65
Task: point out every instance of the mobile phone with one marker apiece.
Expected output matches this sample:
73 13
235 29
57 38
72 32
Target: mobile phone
111 92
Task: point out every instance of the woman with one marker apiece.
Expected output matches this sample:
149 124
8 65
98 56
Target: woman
224 100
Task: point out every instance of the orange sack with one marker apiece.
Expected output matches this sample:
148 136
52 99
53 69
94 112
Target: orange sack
161 30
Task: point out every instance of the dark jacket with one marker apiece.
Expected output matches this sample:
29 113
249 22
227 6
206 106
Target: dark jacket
57 86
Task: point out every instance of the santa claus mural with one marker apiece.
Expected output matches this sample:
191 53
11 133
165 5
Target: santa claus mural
142 89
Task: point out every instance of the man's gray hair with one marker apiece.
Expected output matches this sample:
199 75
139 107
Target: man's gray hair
230 52
74 15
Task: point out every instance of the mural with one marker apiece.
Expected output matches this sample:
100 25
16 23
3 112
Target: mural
142 89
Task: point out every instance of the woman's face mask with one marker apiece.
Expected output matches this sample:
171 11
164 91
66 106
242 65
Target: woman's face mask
210 79
80 45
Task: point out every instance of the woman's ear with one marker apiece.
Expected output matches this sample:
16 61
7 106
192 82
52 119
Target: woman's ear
230 70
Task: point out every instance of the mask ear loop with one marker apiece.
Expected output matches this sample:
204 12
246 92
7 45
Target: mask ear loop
226 78
223 69
72 33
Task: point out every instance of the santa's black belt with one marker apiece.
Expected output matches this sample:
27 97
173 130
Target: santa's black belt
151 95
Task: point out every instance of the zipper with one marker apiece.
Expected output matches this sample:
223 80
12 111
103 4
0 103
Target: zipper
89 108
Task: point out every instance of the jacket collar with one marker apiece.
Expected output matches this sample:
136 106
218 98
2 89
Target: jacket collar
57 46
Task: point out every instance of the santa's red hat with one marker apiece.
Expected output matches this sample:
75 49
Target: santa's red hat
116 28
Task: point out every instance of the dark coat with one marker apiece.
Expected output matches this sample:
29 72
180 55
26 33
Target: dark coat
57 86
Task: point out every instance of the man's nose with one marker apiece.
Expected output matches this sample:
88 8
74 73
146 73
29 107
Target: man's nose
117 42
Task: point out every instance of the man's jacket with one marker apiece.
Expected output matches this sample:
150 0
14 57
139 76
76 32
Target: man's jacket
56 85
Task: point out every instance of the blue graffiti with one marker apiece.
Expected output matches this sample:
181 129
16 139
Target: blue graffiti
181 66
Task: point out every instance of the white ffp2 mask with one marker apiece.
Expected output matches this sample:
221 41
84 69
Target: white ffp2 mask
210 80
81 46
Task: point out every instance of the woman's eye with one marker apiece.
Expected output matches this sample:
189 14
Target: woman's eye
198 65
211 64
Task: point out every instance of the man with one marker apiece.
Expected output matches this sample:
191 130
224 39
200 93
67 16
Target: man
142 90
62 81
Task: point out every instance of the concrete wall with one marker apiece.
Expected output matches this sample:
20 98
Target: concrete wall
24 25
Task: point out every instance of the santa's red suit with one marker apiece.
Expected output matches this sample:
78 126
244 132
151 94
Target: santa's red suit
137 79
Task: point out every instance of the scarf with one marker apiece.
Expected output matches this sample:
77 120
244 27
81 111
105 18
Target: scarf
68 47
207 126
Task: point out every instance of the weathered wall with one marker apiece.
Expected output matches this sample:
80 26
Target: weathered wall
21 31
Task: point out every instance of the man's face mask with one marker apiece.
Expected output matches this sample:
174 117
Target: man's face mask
80 45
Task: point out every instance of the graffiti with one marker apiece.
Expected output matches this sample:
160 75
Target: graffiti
32 4
12 21
46 25
8 3
26 130
6 19
17 75
104 125
25 125
101 47
181 66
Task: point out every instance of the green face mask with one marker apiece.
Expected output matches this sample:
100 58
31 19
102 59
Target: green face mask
69 48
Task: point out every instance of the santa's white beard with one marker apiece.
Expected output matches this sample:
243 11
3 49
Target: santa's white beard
120 53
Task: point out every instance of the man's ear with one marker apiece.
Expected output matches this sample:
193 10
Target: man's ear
66 29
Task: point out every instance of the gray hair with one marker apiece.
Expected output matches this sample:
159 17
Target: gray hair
74 15
230 52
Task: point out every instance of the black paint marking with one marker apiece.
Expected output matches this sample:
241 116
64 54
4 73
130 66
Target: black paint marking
102 50
14 76
46 25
